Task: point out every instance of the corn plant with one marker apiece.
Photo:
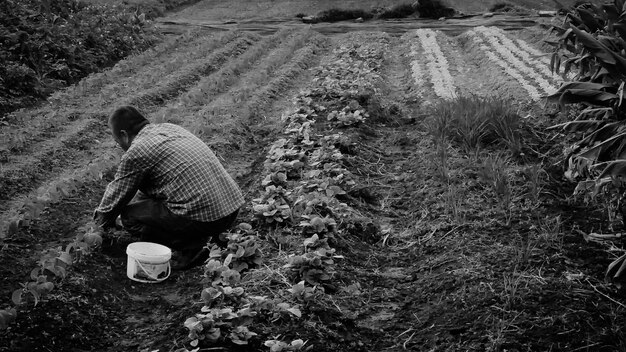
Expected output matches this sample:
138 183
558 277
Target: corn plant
592 40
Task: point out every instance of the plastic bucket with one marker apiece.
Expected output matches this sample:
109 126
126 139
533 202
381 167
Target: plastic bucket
148 262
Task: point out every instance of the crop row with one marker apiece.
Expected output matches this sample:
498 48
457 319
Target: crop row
302 183
211 85
192 73
208 92
17 209
23 213
514 60
49 148
436 64
52 266
75 103
167 54
257 91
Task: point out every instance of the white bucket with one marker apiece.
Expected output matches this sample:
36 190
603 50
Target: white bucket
148 262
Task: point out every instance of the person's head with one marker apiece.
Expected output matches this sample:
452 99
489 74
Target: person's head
125 123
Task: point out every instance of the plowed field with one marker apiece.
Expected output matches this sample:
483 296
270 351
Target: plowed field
421 261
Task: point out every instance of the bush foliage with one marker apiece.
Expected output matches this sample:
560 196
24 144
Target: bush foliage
48 44
422 8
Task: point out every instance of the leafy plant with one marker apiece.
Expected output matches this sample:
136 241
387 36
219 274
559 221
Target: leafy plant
316 265
304 293
316 225
279 346
351 114
241 253
50 44
214 323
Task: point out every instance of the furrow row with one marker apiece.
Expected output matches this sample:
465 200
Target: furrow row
67 108
76 147
483 61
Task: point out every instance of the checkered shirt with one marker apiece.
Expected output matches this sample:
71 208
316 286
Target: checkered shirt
167 162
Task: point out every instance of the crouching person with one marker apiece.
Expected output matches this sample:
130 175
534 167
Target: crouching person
169 188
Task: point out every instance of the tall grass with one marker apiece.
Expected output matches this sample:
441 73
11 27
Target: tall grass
475 122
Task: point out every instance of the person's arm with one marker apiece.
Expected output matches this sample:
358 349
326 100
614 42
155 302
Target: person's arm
120 191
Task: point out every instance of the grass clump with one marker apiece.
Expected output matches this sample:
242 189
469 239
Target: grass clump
474 122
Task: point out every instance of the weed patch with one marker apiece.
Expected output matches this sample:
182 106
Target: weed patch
474 122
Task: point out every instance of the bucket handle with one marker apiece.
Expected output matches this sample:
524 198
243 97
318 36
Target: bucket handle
155 279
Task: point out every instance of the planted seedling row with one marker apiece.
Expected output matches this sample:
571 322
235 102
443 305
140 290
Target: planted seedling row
302 179
54 263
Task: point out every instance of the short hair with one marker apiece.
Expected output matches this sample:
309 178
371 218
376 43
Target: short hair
129 119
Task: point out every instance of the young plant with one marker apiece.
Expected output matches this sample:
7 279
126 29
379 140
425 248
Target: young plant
494 172
315 225
274 205
280 346
242 251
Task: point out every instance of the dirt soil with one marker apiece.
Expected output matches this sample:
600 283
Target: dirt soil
428 264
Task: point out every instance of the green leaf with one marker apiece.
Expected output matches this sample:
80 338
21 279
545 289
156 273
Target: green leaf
615 169
36 295
46 287
602 134
34 274
597 152
589 20
66 258
612 61
16 297
579 126
617 268
594 97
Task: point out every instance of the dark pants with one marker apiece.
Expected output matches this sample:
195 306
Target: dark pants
152 221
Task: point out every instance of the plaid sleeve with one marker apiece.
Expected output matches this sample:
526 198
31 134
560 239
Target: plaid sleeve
120 191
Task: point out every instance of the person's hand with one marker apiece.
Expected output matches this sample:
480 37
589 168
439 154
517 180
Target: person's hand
118 223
